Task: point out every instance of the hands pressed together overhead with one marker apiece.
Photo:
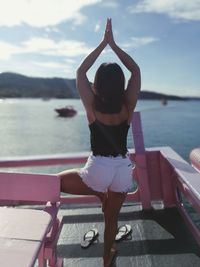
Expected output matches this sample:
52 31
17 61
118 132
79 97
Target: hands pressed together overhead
108 35
134 83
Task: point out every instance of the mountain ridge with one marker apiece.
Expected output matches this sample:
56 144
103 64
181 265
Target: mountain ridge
14 85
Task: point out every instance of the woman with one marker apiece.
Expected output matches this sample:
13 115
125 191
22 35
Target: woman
109 107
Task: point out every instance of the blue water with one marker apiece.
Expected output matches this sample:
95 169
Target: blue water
31 127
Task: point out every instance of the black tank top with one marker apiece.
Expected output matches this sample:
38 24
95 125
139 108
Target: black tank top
108 140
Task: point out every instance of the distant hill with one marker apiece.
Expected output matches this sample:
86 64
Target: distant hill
158 96
17 85
20 86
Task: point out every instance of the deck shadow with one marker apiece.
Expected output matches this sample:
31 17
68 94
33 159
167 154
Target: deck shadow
160 232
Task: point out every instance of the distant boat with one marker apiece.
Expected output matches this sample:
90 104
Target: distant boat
45 98
164 102
67 111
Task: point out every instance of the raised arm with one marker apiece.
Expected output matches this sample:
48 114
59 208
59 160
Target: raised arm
134 83
82 82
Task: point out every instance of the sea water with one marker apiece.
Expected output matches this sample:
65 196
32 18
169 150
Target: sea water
32 127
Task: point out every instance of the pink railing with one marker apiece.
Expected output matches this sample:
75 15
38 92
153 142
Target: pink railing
195 158
185 183
73 158
140 171
161 175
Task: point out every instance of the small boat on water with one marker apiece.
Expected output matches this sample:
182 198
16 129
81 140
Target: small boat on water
164 101
67 111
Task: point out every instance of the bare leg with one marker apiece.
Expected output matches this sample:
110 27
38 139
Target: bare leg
113 205
72 183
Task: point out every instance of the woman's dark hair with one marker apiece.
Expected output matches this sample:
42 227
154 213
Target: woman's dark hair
109 83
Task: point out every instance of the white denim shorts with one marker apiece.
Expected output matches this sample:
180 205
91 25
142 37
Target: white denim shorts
108 173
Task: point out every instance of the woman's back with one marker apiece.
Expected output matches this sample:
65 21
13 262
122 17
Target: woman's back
112 119
108 133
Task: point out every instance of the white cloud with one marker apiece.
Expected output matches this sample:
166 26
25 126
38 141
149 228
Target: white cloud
52 29
139 41
184 9
70 61
47 46
54 66
51 65
97 27
44 46
7 50
42 13
109 4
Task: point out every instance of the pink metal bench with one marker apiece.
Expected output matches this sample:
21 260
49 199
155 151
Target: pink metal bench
20 188
22 235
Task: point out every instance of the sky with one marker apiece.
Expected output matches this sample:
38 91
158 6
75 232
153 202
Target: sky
50 38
